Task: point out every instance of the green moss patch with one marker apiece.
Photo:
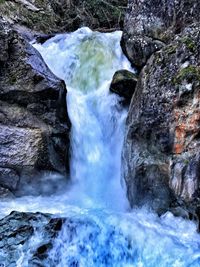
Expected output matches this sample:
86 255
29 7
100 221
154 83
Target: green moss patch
189 74
190 44
171 49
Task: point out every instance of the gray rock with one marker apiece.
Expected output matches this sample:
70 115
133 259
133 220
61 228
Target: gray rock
150 24
162 146
34 124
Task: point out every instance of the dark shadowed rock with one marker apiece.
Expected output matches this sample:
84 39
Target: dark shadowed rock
34 125
123 84
162 146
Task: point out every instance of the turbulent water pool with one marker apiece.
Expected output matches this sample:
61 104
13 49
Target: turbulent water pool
112 234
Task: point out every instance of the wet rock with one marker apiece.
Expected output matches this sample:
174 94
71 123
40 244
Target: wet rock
150 24
123 84
16 231
197 212
161 149
139 49
42 38
29 237
34 124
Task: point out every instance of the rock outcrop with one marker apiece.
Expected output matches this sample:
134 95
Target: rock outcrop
50 16
34 125
162 148
150 24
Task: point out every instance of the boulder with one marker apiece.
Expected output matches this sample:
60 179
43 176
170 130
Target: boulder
123 84
161 154
34 124
151 24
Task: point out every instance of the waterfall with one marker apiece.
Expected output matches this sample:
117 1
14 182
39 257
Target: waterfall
101 231
87 60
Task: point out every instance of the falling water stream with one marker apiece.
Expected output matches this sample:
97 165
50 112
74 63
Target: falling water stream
112 234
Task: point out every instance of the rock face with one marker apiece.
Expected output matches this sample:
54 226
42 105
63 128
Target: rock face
162 148
34 125
123 84
60 16
150 24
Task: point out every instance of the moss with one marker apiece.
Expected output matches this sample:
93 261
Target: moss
189 74
171 49
13 79
158 58
186 161
166 36
190 44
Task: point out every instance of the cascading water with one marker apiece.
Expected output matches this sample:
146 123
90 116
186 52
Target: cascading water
87 60
103 232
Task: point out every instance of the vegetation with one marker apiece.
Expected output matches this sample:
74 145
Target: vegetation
190 44
189 74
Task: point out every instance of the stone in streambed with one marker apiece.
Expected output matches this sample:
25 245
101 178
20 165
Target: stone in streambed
123 84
